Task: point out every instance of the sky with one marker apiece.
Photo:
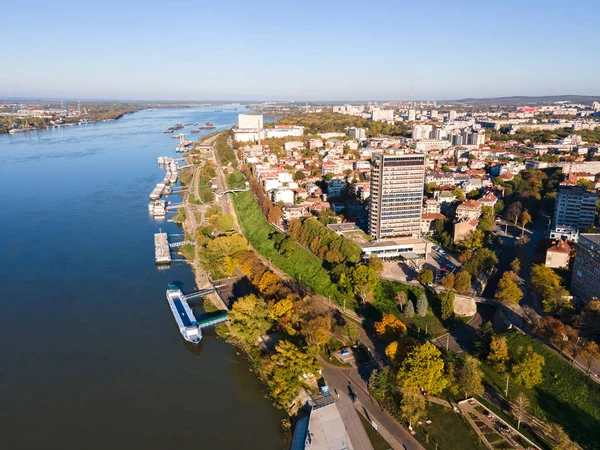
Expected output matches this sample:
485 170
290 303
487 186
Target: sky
303 50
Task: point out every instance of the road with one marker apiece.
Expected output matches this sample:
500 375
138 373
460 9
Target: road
460 339
347 381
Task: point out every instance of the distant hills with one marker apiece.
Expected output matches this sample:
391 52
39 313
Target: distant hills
527 100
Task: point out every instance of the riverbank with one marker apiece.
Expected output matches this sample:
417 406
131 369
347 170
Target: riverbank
111 351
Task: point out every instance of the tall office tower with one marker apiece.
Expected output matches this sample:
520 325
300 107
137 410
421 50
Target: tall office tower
586 270
412 114
575 207
396 195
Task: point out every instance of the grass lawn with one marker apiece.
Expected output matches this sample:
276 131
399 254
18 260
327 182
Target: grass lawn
300 263
378 442
447 431
565 396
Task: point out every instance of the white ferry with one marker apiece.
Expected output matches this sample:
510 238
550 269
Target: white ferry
184 317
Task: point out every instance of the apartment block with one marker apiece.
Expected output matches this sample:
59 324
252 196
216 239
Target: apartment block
396 195
585 283
575 207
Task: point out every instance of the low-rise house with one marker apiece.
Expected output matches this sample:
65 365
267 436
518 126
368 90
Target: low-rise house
559 255
470 209
427 221
464 229
431 206
488 199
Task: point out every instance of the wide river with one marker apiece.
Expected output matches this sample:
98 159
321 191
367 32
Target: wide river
90 356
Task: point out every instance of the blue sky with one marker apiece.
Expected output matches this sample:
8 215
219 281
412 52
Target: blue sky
308 50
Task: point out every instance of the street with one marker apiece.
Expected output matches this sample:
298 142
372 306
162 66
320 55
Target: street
347 381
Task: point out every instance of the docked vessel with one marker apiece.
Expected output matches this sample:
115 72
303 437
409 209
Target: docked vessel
162 252
173 178
184 317
159 208
157 192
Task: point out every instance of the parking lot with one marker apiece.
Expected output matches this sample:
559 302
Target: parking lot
439 261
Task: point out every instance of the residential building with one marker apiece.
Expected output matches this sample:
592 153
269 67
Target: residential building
575 207
335 188
427 221
585 283
382 115
464 229
488 199
470 209
357 133
431 206
558 255
396 195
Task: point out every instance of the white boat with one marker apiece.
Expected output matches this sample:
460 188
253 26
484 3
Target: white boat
160 208
173 178
184 317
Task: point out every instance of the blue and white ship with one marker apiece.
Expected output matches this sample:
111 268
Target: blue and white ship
186 321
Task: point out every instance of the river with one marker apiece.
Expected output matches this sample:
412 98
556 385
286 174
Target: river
90 354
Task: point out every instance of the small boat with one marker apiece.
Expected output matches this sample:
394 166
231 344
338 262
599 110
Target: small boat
160 209
207 126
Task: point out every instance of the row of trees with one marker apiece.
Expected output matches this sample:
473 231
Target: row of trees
273 213
304 324
323 242
224 152
567 340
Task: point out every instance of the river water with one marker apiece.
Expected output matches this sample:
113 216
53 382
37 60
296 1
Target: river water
90 354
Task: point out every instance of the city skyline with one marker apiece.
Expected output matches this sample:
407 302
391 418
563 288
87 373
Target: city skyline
337 50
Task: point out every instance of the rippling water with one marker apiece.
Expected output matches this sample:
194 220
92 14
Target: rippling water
90 354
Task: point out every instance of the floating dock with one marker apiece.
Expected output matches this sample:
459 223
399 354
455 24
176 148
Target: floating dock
162 253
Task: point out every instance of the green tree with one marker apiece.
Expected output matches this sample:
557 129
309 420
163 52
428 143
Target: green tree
363 281
459 194
382 386
412 406
299 175
426 276
448 281
508 291
483 339
422 305
409 311
352 331
423 367
289 364
469 377
249 319
547 283
528 371
513 212
447 305
486 221
375 263
498 354
462 282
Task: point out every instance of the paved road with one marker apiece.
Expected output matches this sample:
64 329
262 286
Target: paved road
358 436
340 379
460 339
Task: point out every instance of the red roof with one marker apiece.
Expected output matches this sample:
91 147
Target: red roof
432 216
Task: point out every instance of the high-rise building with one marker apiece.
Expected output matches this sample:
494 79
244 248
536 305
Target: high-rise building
253 121
451 115
575 207
585 283
396 195
412 114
